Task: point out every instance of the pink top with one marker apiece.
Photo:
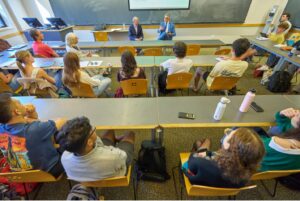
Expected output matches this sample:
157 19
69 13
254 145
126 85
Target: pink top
40 48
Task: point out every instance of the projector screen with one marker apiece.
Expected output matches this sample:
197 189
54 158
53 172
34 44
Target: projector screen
158 4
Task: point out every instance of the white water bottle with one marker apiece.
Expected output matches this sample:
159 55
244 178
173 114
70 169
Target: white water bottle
221 108
249 98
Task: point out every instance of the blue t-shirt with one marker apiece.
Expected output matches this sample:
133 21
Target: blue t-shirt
29 145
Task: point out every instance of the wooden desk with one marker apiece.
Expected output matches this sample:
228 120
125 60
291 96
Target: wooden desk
269 47
108 113
204 108
294 99
115 34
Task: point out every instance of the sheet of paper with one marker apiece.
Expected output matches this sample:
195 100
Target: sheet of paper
262 38
84 63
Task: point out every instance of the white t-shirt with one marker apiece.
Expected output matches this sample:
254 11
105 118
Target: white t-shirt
177 65
85 78
102 162
227 68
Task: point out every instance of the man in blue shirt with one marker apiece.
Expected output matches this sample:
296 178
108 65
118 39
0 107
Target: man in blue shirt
167 29
135 32
25 141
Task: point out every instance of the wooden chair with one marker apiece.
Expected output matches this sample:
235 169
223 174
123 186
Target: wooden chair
100 36
193 50
29 177
121 181
82 91
267 175
225 51
179 81
223 84
198 190
122 49
134 87
153 52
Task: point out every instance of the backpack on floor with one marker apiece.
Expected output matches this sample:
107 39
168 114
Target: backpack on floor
279 82
151 164
80 192
291 182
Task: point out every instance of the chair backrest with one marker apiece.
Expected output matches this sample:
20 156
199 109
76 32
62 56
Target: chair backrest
198 190
30 176
110 182
273 174
153 52
223 83
82 90
122 49
134 87
101 36
225 51
5 87
179 81
193 50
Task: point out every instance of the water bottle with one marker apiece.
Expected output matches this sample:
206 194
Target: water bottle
247 100
124 26
292 52
221 108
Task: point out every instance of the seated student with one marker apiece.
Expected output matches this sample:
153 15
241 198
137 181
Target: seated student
285 17
25 62
278 37
129 68
282 151
88 157
232 67
40 48
9 79
4 45
25 141
285 120
135 32
167 29
72 45
230 167
173 66
73 75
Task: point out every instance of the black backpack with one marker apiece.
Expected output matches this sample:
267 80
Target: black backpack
151 164
279 82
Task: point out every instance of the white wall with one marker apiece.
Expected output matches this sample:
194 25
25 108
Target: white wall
257 14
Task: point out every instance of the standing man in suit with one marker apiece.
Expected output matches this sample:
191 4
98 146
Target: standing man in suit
135 32
167 29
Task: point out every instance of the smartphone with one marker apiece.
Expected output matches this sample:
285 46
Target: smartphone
256 107
184 115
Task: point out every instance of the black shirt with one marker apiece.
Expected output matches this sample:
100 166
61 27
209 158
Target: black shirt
207 172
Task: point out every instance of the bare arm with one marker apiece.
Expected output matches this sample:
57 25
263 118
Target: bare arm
45 76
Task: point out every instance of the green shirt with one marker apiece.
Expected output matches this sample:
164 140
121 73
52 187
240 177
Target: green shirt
283 122
275 160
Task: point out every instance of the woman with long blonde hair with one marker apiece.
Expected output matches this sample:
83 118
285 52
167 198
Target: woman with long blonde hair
24 61
73 75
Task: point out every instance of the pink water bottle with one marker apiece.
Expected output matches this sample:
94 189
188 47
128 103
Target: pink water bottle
247 100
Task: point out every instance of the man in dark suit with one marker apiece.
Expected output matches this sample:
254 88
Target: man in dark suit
135 30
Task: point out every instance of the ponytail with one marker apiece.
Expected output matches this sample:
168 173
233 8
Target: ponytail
20 56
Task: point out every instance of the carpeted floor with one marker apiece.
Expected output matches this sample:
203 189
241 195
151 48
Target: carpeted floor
176 141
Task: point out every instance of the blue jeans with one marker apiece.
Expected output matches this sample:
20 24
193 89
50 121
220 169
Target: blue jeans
105 83
164 36
14 84
57 75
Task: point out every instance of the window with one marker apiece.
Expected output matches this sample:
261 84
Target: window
43 11
2 23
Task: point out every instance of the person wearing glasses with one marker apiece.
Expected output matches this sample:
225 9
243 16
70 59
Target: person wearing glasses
167 29
88 157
